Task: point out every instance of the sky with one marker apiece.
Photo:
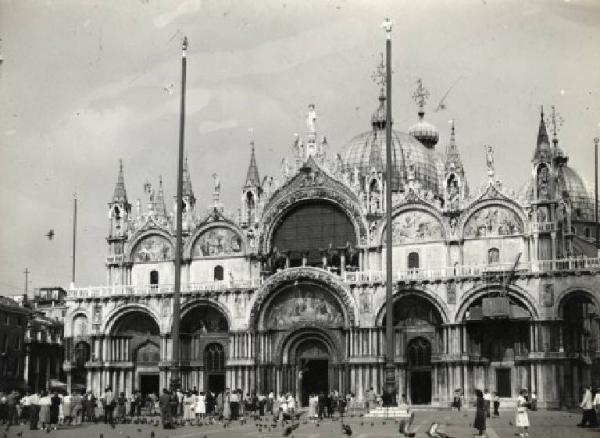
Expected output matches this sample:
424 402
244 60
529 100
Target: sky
86 83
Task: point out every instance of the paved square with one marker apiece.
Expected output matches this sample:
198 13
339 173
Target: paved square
545 424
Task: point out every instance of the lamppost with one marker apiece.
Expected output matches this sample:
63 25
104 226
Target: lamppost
390 369
176 363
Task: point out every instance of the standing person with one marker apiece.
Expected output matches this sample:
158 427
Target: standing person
45 403
180 396
121 408
34 411
66 408
588 418
312 406
11 403
76 408
227 405
90 407
25 403
321 404
596 404
54 409
291 404
522 419
164 403
108 405
270 400
487 398
283 406
219 405
234 404
188 407
533 402
174 407
479 422
496 401
200 406
456 401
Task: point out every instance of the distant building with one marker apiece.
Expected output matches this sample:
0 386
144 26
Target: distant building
13 324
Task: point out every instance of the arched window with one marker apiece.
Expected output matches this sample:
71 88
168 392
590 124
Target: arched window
493 256
419 353
587 233
154 278
413 260
250 206
218 273
214 358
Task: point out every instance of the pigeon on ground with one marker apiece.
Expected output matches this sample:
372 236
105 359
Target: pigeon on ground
347 429
152 434
101 435
20 434
362 423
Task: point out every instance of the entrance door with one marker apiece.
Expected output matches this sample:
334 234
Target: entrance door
215 383
420 387
149 383
503 382
315 378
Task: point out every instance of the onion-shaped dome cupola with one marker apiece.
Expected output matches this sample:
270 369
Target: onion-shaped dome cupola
423 131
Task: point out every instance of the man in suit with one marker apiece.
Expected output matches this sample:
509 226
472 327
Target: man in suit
589 415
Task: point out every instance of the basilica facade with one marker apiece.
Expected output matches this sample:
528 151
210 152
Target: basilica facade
494 287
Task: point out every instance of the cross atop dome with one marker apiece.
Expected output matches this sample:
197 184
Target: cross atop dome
378 76
420 96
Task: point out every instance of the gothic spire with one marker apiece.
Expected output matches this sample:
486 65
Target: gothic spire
543 132
252 178
120 194
452 154
161 207
187 181
542 150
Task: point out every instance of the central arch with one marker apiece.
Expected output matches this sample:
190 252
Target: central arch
310 358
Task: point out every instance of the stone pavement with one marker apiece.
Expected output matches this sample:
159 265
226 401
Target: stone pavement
545 424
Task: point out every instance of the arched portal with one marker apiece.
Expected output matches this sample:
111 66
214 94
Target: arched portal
81 354
498 335
580 337
135 338
417 335
204 335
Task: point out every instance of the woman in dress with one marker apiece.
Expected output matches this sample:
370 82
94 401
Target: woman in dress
479 422
121 407
312 406
522 418
291 404
188 407
66 407
45 403
227 406
200 406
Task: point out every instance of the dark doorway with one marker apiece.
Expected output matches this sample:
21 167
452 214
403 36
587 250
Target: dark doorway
315 378
215 383
149 383
503 382
420 387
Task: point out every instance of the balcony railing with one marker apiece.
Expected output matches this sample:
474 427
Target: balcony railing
162 289
418 274
543 227
350 277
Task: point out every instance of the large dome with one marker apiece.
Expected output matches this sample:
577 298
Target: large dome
367 150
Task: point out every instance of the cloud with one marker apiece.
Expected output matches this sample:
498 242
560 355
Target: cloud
211 126
186 7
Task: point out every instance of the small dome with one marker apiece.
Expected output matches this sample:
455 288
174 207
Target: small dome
425 132
582 202
367 150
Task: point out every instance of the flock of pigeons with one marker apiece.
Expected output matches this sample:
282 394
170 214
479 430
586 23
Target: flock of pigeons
289 425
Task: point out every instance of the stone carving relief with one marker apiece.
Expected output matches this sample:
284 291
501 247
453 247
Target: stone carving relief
217 241
153 249
97 314
415 226
493 221
547 297
304 304
366 300
451 293
80 326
